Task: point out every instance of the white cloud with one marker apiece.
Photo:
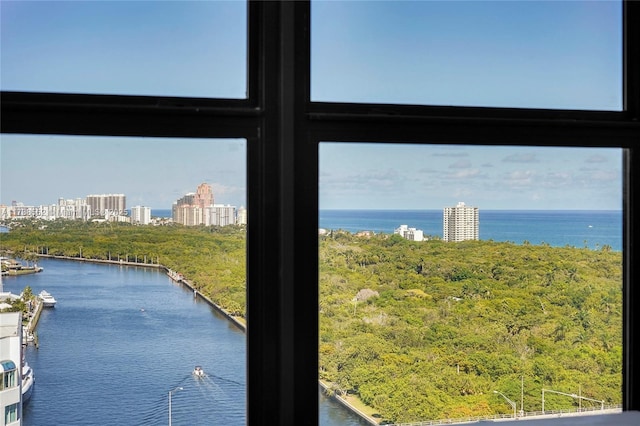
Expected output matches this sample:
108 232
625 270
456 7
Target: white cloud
460 164
597 158
521 158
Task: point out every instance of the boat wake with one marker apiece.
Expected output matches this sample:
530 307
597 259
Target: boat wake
200 388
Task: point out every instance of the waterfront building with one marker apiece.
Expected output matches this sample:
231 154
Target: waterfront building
460 223
141 215
10 363
411 234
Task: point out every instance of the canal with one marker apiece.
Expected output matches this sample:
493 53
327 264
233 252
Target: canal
121 338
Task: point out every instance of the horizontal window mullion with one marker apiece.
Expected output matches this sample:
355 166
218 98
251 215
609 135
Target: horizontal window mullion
132 103
121 115
391 112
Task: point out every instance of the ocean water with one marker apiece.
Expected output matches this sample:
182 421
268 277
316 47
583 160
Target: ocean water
165 213
558 228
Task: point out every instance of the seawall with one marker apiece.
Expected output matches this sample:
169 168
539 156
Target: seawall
173 275
110 262
234 320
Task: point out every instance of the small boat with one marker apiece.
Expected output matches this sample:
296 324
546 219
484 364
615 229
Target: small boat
28 381
198 371
48 301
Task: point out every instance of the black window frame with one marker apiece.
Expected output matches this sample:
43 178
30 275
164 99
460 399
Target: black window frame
283 129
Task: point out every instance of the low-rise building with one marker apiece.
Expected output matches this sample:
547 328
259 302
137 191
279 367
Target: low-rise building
411 234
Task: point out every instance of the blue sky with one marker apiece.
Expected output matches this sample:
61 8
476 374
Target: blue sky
379 176
153 172
533 54
547 54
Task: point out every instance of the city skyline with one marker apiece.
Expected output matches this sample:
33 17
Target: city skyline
154 173
150 172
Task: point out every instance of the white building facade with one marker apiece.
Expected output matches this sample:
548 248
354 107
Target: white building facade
141 215
241 216
460 223
10 366
220 215
411 234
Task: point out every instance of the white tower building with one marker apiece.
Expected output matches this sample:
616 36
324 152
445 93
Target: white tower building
460 223
141 215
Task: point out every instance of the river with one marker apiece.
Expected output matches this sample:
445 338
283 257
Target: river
121 338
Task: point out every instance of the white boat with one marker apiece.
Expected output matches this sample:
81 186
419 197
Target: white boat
28 380
198 371
48 301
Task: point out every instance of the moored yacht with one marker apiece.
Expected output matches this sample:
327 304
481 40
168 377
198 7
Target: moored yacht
48 301
28 380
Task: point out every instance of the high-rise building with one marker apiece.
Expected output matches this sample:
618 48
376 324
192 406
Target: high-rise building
220 215
107 204
460 223
204 196
141 215
190 209
241 217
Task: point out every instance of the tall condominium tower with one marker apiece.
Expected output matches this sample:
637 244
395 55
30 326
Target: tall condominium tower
190 209
460 223
141 215
204 196
103 204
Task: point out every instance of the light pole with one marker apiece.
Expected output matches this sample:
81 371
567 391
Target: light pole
179 388
572 395
513 404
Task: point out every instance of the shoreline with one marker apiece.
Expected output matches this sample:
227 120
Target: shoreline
170 273
178 278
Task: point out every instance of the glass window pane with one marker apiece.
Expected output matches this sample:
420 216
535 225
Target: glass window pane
176 48
539 54
159 235
417 326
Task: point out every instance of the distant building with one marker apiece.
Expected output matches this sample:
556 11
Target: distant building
411 234
141 215
203 196
11 368
220 215
460 223
241 216
106 204
187 214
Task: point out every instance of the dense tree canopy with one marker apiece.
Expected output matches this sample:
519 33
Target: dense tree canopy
455 321
417 331
213 258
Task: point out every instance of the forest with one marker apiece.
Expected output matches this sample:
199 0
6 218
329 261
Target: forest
416 330
212 258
